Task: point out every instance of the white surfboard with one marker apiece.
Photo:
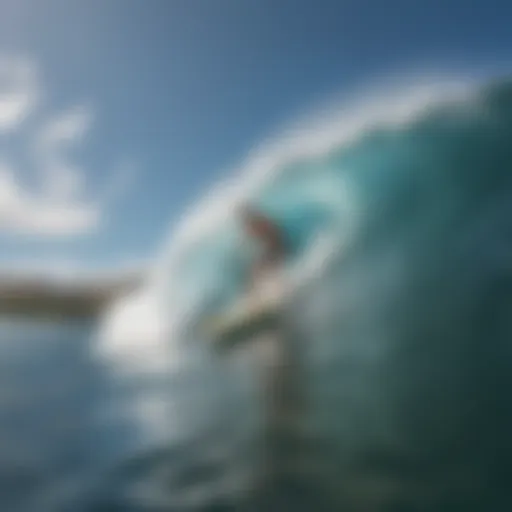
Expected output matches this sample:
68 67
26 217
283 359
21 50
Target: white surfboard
250 316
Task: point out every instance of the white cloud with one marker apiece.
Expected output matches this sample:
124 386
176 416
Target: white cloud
64 202
22 212
18 91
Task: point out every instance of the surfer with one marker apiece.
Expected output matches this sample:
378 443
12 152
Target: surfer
271 240
281 393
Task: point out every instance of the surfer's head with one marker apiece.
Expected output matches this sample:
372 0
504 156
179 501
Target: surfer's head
253 221
264 229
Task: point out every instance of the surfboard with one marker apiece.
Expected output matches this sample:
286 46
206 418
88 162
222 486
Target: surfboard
247 318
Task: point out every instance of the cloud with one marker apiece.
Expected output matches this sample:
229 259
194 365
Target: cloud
18 92
62 201
22 212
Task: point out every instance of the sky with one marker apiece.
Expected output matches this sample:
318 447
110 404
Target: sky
116 114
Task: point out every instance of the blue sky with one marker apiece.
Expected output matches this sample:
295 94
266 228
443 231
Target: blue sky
115 114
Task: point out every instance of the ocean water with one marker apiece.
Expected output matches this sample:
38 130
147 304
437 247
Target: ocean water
69 434
399 213
51 393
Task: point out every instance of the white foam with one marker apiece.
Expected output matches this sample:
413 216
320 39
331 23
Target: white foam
133 335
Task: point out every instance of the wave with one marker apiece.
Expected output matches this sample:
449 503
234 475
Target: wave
399 213
326 185
383 159
301 178
379 200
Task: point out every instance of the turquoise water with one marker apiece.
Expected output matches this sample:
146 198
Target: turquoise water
401 273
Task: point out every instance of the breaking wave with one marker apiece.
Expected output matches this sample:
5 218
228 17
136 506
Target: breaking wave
399 213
